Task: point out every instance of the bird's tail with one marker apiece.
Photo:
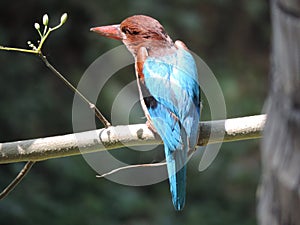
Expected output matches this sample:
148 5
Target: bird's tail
177 175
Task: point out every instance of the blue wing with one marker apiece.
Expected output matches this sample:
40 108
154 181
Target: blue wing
174 108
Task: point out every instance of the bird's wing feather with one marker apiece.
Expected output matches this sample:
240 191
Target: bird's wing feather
173 81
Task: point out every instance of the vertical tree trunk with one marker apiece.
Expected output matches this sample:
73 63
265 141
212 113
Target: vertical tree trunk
279 194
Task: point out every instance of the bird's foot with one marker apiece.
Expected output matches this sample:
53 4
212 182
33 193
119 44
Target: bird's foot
150 126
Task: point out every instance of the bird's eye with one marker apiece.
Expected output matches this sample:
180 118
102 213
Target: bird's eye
135 32
126 30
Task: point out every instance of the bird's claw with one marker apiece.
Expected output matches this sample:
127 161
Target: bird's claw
150 126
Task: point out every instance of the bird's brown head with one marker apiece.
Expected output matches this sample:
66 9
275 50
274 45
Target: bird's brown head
135 32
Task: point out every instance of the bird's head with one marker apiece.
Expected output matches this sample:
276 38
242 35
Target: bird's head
137 31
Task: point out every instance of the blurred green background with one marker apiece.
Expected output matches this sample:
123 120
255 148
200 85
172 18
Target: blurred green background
232 37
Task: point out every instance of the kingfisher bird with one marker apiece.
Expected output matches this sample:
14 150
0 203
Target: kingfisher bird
169 90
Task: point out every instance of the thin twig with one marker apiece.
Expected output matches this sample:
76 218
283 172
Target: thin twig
68 84
18 50
131 167
17 179
163 163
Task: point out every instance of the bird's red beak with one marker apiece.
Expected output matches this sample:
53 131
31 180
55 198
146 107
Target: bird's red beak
111 31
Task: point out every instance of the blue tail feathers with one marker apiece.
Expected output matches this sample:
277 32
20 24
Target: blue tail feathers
177 176
177 187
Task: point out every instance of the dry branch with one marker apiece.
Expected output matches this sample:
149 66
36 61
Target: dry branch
131 135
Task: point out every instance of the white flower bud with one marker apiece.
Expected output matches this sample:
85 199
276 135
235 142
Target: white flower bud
45 20
37 26
63 18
